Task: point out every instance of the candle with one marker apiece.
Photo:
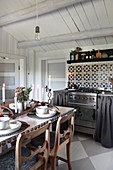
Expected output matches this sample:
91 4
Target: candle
49 82
15 100
37 92
32 91
42 94
3 93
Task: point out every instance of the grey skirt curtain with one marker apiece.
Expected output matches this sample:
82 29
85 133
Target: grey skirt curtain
104 121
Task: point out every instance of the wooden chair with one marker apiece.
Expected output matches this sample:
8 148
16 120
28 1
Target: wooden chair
24 158
45 148
67 136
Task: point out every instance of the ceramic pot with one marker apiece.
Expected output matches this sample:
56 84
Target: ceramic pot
20 107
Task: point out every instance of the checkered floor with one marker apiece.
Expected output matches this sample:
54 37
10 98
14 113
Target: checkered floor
86 154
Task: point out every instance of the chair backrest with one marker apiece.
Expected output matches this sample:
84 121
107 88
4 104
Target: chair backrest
45 148
66 134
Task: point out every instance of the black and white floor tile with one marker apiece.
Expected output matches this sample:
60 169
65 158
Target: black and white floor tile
86 154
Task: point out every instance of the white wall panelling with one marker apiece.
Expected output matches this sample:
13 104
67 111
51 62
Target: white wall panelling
30 69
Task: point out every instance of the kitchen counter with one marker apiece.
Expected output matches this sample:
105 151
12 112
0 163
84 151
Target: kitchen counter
106 93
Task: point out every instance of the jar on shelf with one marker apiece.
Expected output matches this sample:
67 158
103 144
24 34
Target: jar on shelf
77 56
83 56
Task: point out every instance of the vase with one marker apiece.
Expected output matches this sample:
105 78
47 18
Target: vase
20 107
72 57
25 105
77 57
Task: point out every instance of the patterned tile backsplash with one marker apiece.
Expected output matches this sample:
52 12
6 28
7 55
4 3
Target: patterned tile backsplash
91 75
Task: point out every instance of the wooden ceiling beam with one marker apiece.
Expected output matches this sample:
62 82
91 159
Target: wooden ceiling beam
67 37
43 8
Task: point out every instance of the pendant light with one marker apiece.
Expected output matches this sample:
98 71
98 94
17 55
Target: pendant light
37 28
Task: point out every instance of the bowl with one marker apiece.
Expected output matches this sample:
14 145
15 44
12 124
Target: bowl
13 124
4 122
12 106
41 109
52 111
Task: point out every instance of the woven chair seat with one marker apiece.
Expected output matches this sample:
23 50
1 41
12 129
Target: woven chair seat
7 161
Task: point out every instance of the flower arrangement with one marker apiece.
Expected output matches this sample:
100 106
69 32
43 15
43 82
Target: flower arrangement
22 94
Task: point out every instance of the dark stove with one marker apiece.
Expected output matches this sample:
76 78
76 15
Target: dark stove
87 90
85 101
83 97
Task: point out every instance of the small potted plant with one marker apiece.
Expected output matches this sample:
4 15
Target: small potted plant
74 55
22 96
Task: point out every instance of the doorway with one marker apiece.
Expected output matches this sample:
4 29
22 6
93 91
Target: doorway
9 74
57 70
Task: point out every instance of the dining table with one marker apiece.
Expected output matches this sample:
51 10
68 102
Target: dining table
29 122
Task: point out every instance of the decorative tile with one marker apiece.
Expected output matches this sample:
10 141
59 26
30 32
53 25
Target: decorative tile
103 84
111 67
111 76
78 77
95 68
86 68
78 68
86 84
95 77
92 75
104 77
79 84
103 67
71 69
71 77
86 77
94 84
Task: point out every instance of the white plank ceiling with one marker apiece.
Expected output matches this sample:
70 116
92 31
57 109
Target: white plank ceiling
63 24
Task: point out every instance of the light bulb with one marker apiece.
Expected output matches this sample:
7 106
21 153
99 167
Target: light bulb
37 33
37 36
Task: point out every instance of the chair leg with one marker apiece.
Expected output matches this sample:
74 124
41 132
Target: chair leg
45 166
53 163
68 155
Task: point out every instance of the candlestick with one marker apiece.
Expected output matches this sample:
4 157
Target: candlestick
42 94
3 93
37 92
49 82
15 100
32 91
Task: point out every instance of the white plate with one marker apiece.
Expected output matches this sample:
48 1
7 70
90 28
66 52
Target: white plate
12 106
45 115
11 130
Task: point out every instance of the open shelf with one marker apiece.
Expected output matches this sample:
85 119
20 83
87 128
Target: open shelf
89 60
108 52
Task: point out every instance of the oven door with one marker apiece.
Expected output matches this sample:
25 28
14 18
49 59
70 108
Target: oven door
85 120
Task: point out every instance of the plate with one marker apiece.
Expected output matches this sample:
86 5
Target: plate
11 129
46 115
12 106
111 56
